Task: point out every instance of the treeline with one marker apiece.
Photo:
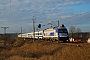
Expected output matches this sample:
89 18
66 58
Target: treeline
77 33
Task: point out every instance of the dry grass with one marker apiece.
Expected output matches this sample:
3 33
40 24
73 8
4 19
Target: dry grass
44 50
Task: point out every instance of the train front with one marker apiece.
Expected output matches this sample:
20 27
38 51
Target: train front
62 33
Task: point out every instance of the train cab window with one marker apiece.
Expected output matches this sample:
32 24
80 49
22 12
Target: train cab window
62 30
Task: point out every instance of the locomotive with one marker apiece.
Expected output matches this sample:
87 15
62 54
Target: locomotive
56 33
59 33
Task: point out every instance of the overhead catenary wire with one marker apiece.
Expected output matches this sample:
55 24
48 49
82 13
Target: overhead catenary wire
76 16
69 19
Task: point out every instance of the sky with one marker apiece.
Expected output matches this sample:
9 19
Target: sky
19 13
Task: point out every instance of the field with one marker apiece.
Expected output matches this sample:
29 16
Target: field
20 49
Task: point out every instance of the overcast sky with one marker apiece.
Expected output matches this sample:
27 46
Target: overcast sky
17 13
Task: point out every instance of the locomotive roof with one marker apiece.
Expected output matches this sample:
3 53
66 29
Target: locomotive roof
60 27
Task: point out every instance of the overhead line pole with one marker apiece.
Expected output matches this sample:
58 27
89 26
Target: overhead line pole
10 10
5 35
4 29
58 23
33 28
21 31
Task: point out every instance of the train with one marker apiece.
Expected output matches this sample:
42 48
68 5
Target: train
59 33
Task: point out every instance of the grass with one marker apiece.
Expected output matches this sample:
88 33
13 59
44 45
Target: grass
44 50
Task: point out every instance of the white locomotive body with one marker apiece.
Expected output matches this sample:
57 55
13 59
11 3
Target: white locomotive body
57 33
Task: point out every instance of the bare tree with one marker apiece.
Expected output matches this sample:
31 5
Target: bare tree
72 30
78 30
88 36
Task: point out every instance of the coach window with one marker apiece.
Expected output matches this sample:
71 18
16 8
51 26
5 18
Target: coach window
36 34
40 33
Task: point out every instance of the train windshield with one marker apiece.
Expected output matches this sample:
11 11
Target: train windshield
62 30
